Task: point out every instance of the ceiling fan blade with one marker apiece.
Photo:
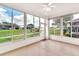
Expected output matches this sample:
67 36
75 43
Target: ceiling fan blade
52 6
49 4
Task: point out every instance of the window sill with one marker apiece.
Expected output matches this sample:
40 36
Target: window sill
65 39
8 46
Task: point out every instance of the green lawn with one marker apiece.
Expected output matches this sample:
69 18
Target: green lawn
6 35
54 31
31 34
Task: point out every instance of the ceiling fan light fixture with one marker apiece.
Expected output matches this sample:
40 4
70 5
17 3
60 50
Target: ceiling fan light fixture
48 9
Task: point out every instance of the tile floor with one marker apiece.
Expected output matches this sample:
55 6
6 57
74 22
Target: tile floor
46 48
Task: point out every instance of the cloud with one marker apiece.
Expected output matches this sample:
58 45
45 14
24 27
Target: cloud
75 16
19 16
19 20
2 10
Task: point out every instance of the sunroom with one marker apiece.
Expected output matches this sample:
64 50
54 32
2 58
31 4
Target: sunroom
23 24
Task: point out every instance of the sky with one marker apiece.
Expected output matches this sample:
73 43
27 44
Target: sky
75 16
5 15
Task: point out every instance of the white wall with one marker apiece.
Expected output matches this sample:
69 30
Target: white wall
46 29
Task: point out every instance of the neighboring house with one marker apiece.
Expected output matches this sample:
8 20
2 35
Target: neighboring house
7 26
75 27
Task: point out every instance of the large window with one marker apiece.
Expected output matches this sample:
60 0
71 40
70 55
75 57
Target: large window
5 24
13 26
51 27
67 27
61 26
54 26
36 28
75 26
32 26
18 25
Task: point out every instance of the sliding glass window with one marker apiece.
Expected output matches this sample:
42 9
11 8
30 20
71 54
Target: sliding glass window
13 27
5 24
18 25
54 26
33 26
75 26
36 28
51 27
67 25
30 26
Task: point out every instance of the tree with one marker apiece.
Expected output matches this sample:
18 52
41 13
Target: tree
66 23
30 26
56 22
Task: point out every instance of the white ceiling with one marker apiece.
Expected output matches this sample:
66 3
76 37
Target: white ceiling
38 10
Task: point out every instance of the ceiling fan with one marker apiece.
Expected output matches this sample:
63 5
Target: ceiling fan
48 5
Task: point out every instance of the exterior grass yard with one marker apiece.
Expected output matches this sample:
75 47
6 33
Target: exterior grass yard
54 31
6 35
